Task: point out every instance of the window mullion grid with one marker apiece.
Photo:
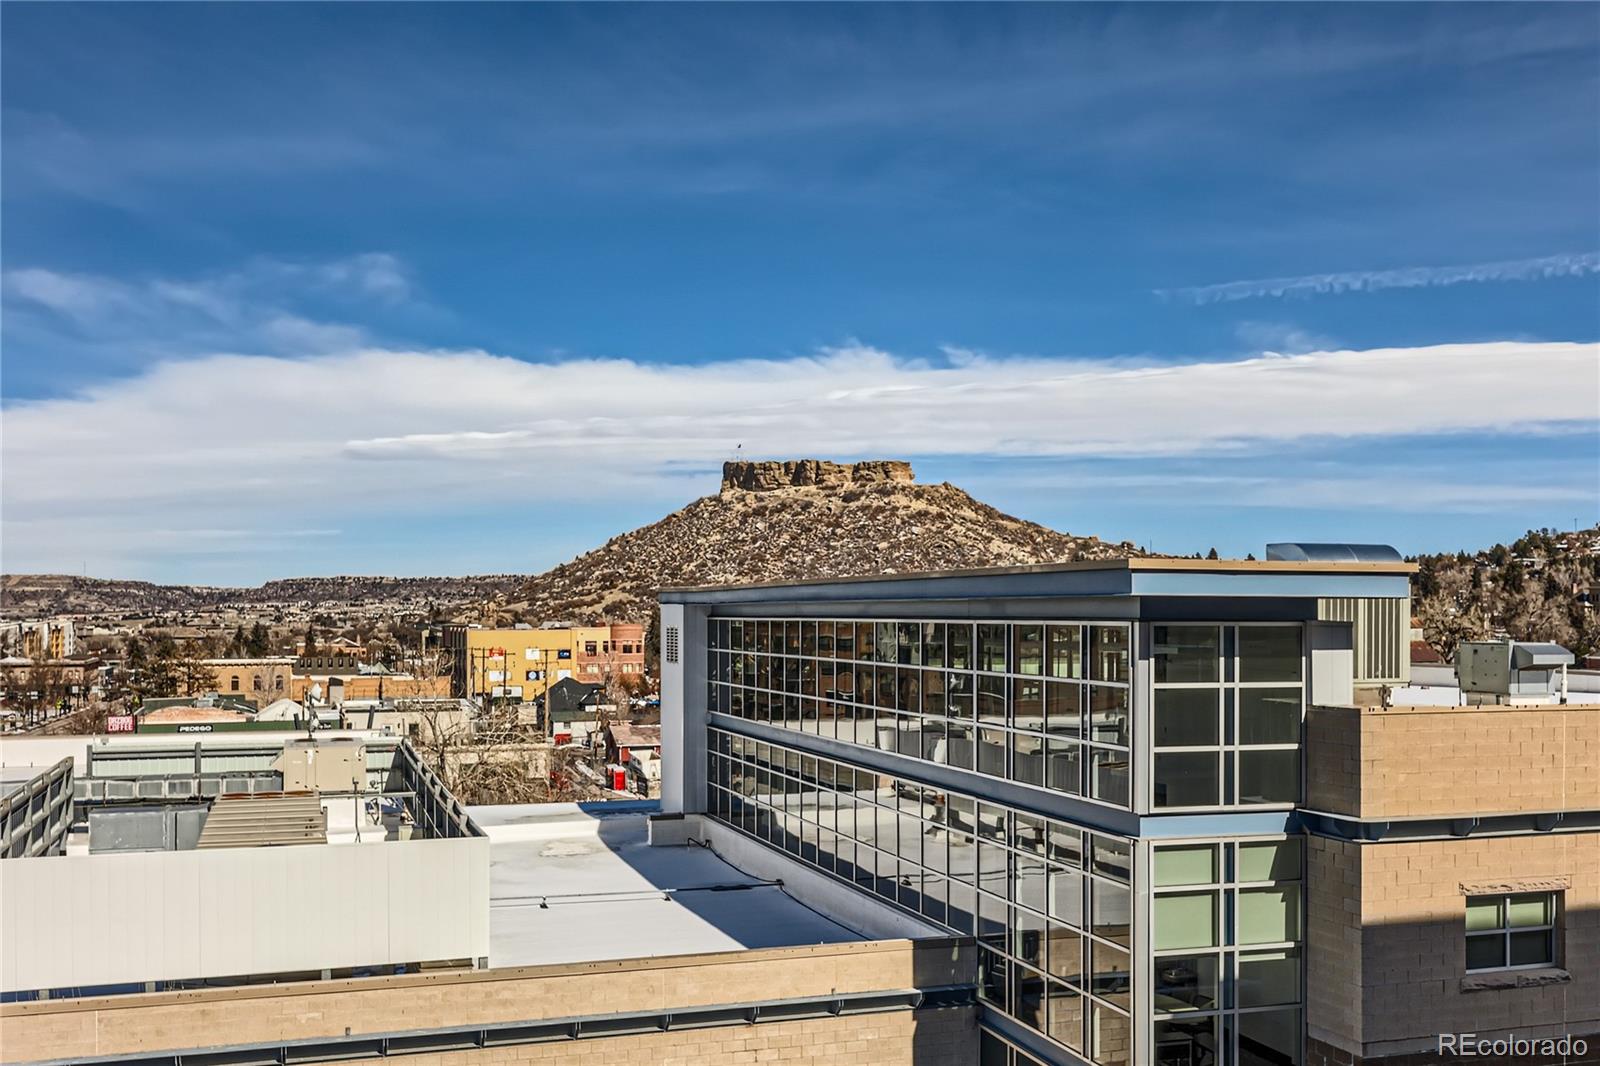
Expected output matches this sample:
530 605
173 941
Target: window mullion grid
1086 857
1506 930
775 696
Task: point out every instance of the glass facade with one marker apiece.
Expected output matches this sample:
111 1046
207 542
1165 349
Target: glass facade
1046 704
1202 966
994 1051
1227 703
1227 942
1049 903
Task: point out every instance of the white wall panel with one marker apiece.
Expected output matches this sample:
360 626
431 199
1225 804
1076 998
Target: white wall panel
79 920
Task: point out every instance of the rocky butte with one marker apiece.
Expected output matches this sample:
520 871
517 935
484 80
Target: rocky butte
793 520
767 475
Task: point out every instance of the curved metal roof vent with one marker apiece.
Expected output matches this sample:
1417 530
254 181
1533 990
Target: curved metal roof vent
1296 552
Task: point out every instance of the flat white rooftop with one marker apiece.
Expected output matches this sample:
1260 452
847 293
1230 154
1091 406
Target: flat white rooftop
570 885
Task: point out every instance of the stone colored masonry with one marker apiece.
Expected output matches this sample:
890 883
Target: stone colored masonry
931 1038
1386 943
264 1014
1412 762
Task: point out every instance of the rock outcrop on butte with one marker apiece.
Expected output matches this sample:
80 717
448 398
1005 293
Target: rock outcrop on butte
765 476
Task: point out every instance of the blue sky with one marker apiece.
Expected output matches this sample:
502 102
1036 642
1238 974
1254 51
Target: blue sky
439 289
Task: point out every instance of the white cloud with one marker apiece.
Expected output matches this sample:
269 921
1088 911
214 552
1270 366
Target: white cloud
251 308
76 296
1550 266
276 444
1397 489
1283 337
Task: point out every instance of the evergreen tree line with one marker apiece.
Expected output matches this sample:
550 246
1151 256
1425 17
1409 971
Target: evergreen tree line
162 665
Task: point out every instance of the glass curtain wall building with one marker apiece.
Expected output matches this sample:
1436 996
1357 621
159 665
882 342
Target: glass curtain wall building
1092 769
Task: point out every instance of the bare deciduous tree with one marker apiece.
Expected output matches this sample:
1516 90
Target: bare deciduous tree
481 755
44 690
194 676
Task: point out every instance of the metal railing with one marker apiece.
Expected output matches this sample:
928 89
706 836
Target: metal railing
36 817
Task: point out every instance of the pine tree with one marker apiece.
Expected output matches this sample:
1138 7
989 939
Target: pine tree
259 642
160 672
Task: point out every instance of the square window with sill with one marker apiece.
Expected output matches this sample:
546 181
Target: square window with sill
1509 932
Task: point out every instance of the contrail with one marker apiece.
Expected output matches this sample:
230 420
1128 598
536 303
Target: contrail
1550 266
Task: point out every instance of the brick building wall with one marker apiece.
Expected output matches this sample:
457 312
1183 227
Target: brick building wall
1409 762
1386 944
1333 941
262 680
1333 763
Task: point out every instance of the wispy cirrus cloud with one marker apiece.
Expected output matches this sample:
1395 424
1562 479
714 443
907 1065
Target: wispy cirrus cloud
258 307
1544 267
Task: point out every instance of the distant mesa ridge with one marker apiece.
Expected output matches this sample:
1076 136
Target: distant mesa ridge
773 474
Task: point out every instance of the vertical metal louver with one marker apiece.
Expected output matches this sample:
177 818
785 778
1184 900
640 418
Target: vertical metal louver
669 645
1381 634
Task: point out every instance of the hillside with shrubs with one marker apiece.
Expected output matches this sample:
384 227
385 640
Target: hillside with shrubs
797 521
1543 586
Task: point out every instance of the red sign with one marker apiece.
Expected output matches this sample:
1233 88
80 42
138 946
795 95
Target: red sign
120 723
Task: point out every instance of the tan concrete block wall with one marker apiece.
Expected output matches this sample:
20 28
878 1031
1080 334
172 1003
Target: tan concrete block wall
933 1038
1413 944
1333 941
1333 759
1321 1054
1414 762
114 1025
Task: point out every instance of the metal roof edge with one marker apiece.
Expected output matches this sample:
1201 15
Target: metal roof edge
1196 566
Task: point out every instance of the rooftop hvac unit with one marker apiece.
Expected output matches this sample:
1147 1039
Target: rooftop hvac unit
1510 671
338 765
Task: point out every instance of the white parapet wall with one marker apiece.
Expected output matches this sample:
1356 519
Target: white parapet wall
75 921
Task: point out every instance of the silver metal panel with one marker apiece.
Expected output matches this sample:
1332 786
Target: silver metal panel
102 764
36 813
146 829
1540 656
1231 587
1382 635
1332 650
187 824
225 762
966 585
1299 552
1509 668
